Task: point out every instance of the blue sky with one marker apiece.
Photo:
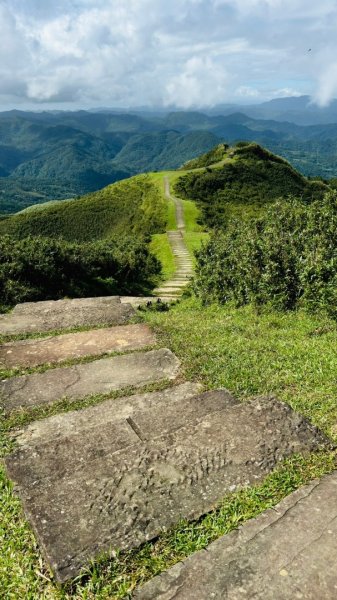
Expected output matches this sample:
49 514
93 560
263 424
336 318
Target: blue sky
188 53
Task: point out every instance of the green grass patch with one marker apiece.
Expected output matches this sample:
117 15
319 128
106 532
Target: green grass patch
291 355
194 241
171 216
161 248
191 216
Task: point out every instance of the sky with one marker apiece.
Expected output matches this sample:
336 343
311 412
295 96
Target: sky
165 53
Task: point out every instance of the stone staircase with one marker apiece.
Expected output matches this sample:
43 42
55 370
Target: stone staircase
174 287
113 475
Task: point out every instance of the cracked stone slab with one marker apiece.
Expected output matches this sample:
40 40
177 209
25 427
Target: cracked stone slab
31 353
114 483
98 377
286 553
32 317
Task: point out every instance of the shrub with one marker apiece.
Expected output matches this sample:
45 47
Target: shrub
43 268
286 258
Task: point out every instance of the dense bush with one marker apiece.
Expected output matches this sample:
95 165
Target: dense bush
41 268
287 258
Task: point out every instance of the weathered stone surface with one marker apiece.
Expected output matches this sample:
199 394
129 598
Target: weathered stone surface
166 405
286 553
30 353
98 377
119 483
52 315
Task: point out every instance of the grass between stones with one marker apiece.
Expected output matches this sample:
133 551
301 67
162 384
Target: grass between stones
70 362
23 573
55 332
292 356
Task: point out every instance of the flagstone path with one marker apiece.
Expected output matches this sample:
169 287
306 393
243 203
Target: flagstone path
113 475
289 552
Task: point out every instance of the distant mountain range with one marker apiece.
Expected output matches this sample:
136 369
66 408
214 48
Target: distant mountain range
55 155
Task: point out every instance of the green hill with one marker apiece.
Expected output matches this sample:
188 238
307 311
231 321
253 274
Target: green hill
134 207
240 181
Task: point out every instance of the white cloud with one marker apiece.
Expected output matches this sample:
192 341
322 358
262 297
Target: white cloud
186 52
327 85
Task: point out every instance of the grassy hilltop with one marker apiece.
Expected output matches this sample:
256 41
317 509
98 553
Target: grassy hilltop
134 206
241 181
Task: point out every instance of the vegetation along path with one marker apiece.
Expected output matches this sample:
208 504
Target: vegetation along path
184 265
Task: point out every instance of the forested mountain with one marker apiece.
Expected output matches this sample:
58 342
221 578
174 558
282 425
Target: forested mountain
57 155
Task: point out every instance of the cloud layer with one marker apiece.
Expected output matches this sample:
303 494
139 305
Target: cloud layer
154 52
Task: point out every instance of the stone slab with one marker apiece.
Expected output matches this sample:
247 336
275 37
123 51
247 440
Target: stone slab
287 553
78 421
111 487
98 377
31 353
170 290
32 317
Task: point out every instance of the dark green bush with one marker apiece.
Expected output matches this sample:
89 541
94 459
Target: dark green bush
42 268
287 258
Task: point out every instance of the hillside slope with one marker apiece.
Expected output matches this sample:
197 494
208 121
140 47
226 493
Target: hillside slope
241 181
134 207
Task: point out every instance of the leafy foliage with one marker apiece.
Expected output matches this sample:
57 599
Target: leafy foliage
41 268
287 258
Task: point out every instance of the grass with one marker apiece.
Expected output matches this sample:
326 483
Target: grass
171 216
291 355
194 241
161 248
194 235
191 216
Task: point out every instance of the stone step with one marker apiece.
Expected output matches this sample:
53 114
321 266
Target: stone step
171 291
98 377
32 317
287 552
31 353
174 284
117 483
